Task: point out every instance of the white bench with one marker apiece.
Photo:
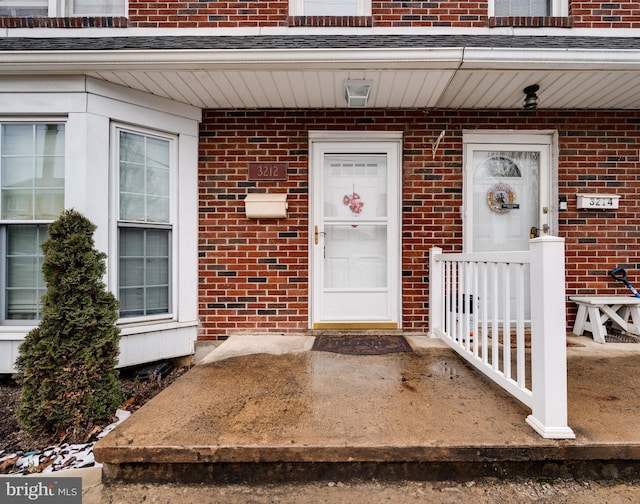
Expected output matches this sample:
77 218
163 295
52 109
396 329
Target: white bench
595 311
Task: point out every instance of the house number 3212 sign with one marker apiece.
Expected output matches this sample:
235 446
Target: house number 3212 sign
267 171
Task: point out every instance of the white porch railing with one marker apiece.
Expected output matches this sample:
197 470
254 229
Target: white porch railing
486 305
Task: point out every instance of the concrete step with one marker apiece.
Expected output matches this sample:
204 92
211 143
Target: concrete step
302 415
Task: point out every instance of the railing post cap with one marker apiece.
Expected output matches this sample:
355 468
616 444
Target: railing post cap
548 239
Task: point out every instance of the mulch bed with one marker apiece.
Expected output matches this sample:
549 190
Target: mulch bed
361 344
136 389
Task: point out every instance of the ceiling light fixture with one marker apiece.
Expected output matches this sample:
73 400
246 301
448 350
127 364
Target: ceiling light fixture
357 92
531 99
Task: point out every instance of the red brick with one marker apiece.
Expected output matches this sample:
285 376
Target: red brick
583 146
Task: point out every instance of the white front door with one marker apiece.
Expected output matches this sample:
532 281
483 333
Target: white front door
507 194
354 230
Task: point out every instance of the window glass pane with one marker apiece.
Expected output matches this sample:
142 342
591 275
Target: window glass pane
48 143
522 8
157 271
157 300
132 207
32 171
131 242
144 178
24 8
131 177
131 271
21 271
144 271
157 243
158 153
113 7
16 172
157 209
330 7
131 147
17 139
158 181
131 302
25 284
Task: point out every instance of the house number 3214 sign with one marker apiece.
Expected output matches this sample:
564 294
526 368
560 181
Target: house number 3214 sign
597 201
267 171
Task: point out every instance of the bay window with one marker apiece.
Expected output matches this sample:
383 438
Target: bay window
144 223
32 163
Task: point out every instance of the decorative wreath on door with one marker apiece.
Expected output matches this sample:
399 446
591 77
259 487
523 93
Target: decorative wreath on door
500 197
354 202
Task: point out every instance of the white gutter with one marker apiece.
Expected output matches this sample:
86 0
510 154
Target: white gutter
216 59
551 59
319 59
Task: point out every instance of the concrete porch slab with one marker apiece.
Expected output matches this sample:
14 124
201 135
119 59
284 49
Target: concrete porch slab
247 344
268 408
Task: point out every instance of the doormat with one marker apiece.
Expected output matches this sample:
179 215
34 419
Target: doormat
361 344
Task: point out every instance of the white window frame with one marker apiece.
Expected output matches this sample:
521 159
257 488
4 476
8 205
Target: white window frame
5 223
59 8
559 8
296 8
171 226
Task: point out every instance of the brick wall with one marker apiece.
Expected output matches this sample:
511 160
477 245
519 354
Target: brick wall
254 274
389 14
623 14
186 14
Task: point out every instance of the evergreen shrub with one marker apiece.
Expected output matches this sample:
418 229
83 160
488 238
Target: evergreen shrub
66 365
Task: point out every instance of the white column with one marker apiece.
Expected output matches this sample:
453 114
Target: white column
435 292
548 339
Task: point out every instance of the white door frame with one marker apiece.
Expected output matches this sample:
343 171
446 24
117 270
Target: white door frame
339 140
548 210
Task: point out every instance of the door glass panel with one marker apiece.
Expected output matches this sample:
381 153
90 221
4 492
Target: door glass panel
355 226
355 256
505 199
355 187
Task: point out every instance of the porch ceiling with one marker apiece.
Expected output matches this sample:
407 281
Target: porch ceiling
308 72
405 88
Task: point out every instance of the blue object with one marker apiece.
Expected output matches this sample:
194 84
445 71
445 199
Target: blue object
621 275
